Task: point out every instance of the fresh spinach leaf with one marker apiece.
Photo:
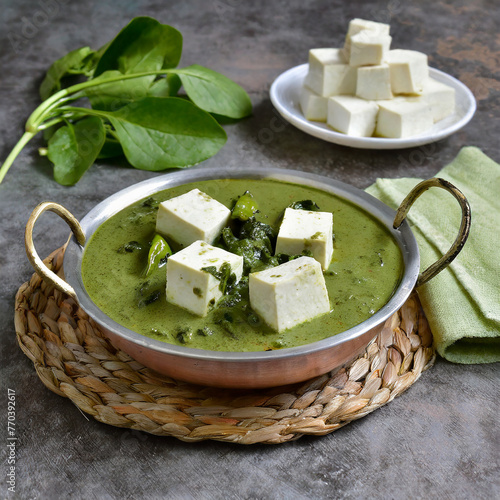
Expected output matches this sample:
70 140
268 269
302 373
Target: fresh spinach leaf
110 149
131 84
159 133
49 132
74 148
77 61
165 87
214 92
143 45
116 94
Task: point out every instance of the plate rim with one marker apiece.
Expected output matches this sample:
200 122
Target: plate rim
314 129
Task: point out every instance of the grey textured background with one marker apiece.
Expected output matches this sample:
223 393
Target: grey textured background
438 440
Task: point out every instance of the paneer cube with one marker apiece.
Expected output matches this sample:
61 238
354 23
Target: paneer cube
306 230
329 74
409 71
191 288
440 97
319 58
368 48
313 105
190 217
356 26
374 82
352 115
290 294
401 118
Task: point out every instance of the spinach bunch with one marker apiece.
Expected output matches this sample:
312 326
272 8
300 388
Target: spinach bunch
131 85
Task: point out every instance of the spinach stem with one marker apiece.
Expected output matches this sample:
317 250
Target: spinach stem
73 110
26 137
49 123
73 92
47 110
43 111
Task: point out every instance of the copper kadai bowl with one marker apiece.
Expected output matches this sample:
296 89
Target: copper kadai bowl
246 369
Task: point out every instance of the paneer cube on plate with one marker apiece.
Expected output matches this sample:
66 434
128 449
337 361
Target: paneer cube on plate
356 26
329 73
409 71
313 105
352 115
402 117
374 82
440 97
368 47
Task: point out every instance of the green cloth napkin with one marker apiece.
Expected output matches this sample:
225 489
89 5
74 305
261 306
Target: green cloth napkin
462 303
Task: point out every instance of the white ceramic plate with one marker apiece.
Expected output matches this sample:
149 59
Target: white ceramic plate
285 92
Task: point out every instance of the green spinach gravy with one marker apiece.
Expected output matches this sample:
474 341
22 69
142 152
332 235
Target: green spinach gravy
365 271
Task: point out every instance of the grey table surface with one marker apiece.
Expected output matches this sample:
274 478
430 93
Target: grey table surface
440 439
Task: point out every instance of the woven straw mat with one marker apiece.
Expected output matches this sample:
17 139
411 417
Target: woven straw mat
73 359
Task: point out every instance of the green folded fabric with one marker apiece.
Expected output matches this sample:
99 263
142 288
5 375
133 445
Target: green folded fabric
462 303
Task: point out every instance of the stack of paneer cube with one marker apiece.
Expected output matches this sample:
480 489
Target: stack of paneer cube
367 89
283 296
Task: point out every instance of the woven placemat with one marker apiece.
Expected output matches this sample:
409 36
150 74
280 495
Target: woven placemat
73 359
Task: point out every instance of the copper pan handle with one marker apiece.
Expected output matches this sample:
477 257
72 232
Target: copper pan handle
33 257
463 232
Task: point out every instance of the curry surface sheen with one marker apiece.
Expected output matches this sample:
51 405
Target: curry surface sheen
366 269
